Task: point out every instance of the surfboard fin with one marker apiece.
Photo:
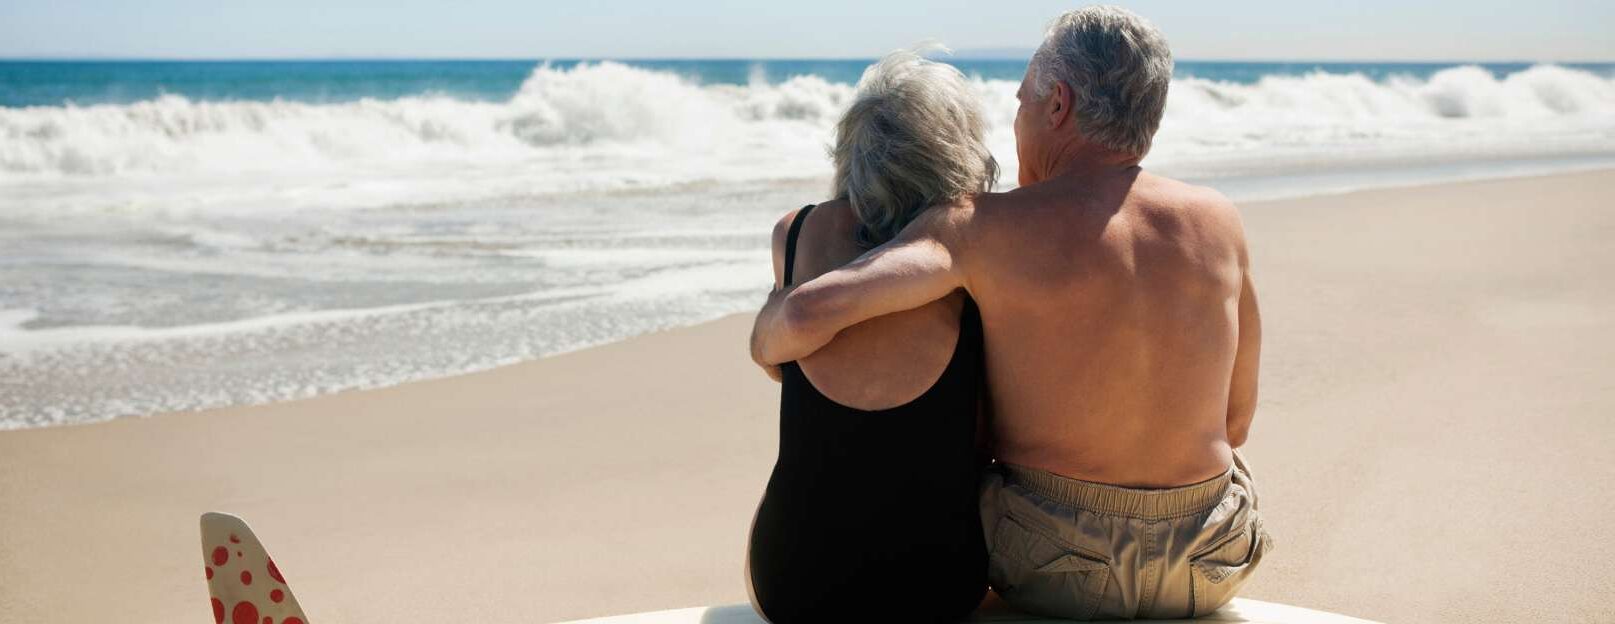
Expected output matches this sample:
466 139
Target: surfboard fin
245 585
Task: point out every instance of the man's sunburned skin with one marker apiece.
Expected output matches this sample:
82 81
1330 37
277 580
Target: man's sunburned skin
1122 332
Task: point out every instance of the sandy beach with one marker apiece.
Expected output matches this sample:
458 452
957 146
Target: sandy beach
1432 444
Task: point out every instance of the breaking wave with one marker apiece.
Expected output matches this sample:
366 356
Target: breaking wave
604 125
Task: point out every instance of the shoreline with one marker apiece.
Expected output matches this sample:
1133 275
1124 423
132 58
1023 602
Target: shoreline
1342 183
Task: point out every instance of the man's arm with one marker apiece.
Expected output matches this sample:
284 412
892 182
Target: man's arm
1242 389
911 270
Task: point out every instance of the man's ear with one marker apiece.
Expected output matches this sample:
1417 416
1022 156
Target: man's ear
1059 110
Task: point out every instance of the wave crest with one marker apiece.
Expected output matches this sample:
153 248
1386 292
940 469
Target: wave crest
645 127
591 104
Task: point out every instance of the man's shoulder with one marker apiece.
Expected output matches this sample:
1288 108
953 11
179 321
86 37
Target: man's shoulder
965 222
1202 218
1200 204
1185 194
947 220
987 208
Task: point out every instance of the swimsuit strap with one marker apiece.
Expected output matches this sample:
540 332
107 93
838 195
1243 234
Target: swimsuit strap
790 241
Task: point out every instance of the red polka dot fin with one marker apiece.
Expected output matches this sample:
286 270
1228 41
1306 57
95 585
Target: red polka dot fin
244 584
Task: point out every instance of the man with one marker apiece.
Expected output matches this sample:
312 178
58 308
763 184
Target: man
1122 339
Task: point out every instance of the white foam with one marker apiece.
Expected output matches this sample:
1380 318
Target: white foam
13 320
88 373
723 271
593 127
20 342
603 126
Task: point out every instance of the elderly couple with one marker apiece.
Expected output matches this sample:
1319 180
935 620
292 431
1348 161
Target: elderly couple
1039 391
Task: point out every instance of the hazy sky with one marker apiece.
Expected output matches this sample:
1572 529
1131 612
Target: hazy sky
1259 29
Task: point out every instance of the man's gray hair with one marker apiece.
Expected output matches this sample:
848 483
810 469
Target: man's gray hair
913 137
1118 67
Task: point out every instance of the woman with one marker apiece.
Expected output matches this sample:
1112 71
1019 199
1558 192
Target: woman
871 511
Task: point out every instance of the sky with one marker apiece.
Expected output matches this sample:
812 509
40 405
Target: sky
1370 30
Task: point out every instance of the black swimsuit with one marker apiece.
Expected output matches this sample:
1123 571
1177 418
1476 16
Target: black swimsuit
873 514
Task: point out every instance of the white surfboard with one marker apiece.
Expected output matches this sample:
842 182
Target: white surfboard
1240 610
245 585
247 588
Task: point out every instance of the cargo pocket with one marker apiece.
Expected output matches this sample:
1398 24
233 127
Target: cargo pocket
1218 571
1041 575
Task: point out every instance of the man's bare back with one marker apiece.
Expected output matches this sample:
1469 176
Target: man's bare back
1111 303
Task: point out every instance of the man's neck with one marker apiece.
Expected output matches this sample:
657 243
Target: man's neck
1084 161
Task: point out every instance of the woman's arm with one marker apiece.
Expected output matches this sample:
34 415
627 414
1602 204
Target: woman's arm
913 269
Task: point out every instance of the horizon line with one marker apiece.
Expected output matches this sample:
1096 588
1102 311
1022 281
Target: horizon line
563 58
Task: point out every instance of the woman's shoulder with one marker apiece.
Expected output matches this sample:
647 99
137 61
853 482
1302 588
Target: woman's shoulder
825 234
831 217
833 210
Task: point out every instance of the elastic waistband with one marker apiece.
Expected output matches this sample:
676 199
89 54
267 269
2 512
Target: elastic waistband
1121 501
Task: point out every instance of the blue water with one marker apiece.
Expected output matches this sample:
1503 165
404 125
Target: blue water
56 83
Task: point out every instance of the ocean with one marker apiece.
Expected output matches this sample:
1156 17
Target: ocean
187 235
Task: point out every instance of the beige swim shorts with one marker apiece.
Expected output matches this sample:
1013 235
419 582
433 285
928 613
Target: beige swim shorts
1080 550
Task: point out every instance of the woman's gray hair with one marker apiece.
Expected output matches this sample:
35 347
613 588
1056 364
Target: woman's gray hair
1118 67
913 137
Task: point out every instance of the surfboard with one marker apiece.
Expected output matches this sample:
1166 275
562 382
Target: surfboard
1240 610
244 585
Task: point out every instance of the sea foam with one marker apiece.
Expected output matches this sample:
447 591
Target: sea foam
602 126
